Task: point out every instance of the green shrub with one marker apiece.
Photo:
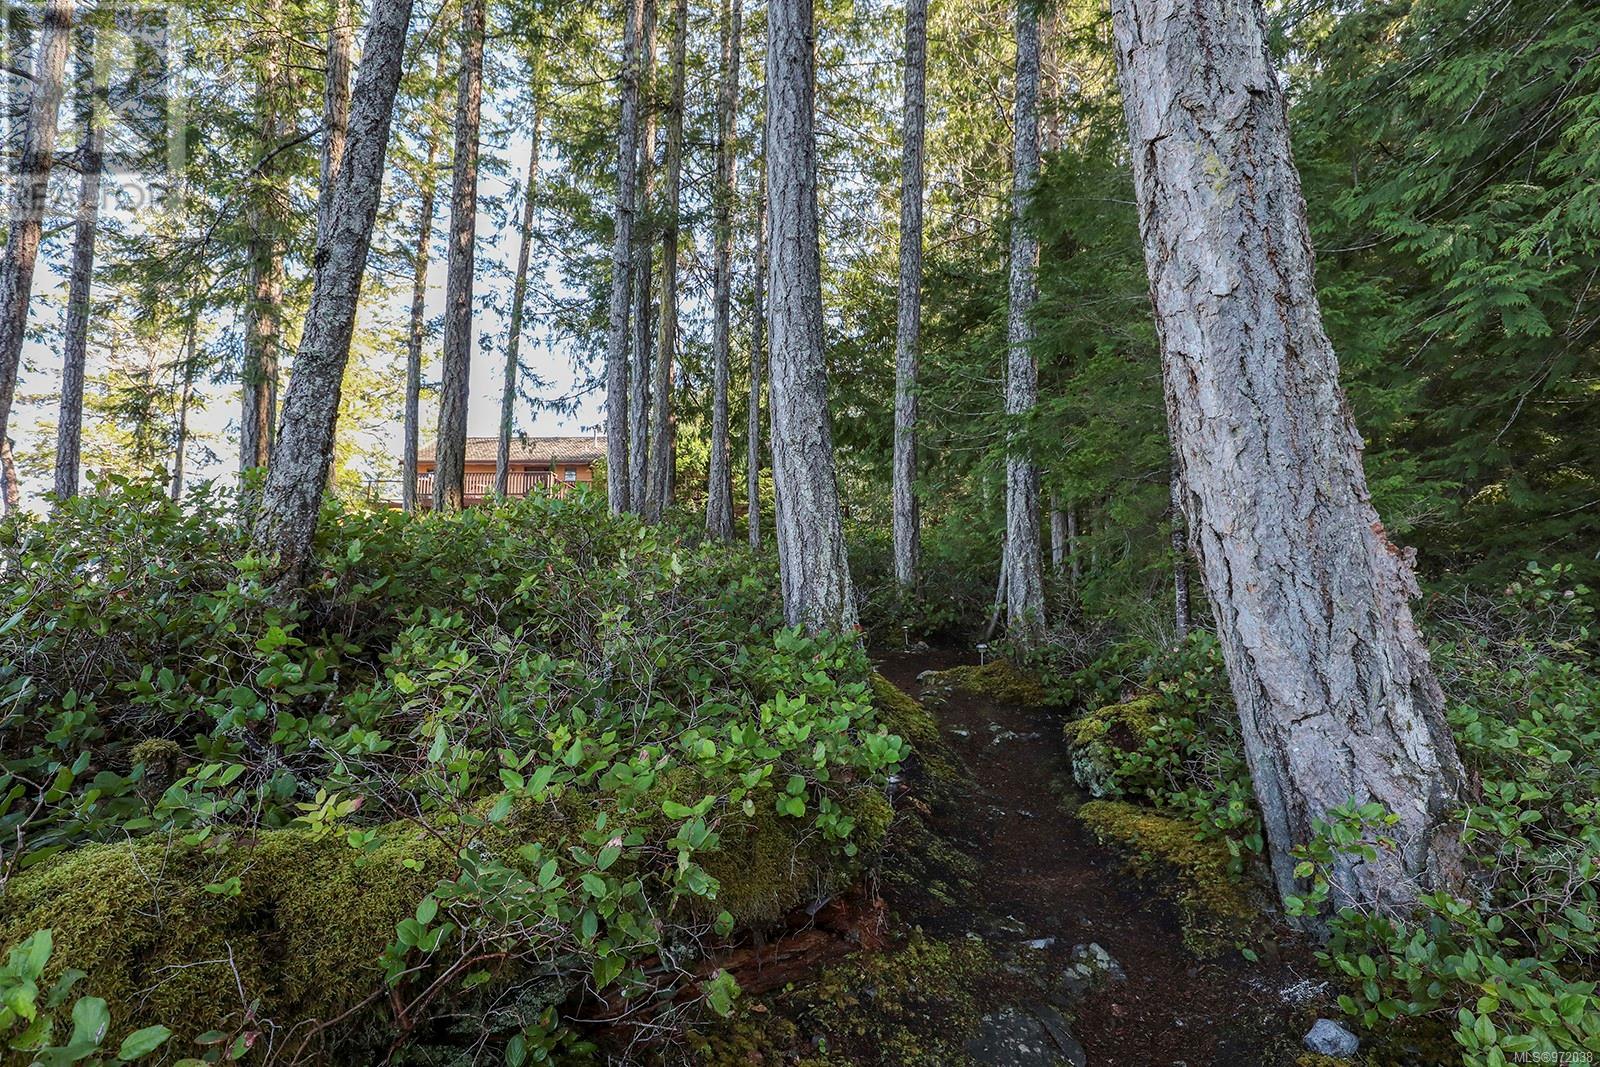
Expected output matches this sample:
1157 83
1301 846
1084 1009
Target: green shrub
526 746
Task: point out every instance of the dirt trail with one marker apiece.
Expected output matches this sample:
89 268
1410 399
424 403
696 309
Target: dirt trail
1045 881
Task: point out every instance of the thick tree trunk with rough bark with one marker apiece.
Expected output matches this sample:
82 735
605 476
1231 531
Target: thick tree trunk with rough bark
427 186
80 284
719 488
661 424
643 274
758 356
812 563
1336 696
450 443
30 188
293 496
908 328
508 389
619 489
1025 622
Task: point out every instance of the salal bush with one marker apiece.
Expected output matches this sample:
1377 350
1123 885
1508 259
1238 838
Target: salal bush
563 736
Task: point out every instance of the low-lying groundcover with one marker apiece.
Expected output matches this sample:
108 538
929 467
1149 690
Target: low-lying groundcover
490 767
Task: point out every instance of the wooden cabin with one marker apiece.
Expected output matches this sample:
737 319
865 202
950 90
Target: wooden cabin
551 464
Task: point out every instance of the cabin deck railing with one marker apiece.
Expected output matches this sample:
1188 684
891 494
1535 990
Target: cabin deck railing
478 486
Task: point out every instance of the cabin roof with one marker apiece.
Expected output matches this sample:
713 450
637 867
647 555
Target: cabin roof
585 449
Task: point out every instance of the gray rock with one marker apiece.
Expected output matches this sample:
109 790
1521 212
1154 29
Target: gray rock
1012 1037
1066 1041
1093 962
1330 1039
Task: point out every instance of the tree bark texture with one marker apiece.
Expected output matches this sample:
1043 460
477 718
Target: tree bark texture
267 207
643 274
427 186
908 324
619 492
812 563
292 499
508 390
186 371
719 488
758 357
661 425
450 443
336 91
80 285
1058 537
1180 554
1336 696
30 185
10 484
1025 621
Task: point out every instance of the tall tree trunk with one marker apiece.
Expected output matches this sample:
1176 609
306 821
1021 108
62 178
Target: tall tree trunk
1058 537
10 484
619 489
30 185
1336 696
908 329
661 451
80 285
336 90
180 447
508 390
758 353
1180 553
263 334
719 488
450 443
293 496
427 186
643 257
1025 620
812 563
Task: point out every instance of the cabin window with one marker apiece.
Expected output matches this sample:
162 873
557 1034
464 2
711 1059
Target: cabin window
570 474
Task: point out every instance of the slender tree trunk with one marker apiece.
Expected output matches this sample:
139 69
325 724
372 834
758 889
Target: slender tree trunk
661 452
1074 559
264 313
508 391
719 490
643 275
427 185
1025 619
1336 696
1180 553
336 91
180 447
908 331
619 490
812 563
30 188
75 350
10 485
450 444
758 353
1058 537
295 482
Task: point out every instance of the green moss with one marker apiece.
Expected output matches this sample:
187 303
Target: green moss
1102 736
998 680
192 935
1217 909
914 1004
769 864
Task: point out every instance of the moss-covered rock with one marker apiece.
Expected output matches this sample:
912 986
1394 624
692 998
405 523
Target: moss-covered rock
1103 737
1218 909
998 680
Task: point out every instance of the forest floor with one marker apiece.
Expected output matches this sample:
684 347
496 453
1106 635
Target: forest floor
1038 865
994 960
